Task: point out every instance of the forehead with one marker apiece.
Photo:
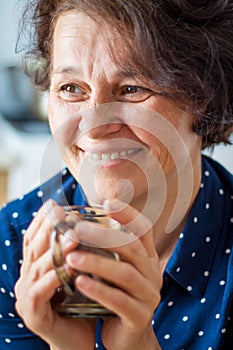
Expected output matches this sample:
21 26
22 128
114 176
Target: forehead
77 28
73 23
79 39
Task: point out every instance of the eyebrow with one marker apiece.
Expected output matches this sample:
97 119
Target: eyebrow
68 69
126 71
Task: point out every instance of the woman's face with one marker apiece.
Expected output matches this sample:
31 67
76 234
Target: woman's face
119 135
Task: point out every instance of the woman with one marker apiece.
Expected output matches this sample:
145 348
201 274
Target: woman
136 90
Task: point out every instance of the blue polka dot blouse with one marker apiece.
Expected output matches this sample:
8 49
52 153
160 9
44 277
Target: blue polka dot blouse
195 312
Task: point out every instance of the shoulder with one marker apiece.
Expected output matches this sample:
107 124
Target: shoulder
21 211
218 191
219 174
16 216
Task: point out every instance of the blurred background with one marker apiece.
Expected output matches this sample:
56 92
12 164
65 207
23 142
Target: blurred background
24 131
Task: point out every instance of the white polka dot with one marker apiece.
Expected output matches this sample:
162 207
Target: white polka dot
203 300
34 213
227 251
206 273
1 316
59 191
7 340
185 318
210 348
200 333
202 185
232 197
217 316
170 303
167 336
23 232
221 191
195 220
207 173
223 330
222 283
11 314
73 186
7 243
189 288
20 261
20 325
231 220
4 267
181 235
207 239
2 290
178 269
153 322
207 206
193 254
40 194
96 345
11 294
64 172
15 215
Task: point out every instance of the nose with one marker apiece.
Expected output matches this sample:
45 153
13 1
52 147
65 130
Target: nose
101 118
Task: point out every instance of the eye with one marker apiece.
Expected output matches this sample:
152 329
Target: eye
72 92
131 89
135 93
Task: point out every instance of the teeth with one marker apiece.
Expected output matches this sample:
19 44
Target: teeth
96 156
108 156
114 155
105 156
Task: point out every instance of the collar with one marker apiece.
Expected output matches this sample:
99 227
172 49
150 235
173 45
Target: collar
194 252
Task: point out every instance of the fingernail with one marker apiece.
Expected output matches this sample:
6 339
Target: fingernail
74 259
67 242
82 282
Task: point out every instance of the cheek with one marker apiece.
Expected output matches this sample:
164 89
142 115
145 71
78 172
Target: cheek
54 113
60 114
65 129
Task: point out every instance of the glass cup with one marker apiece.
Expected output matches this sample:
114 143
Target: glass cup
67 300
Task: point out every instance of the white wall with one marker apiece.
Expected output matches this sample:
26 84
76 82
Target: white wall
224 154
9 16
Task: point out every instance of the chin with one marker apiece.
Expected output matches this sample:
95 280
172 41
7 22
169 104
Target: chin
97 191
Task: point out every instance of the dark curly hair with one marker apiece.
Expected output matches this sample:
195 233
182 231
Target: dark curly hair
184 46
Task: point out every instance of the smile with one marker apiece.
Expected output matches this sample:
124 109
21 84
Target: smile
112 155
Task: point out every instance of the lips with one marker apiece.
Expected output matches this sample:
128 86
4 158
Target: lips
112 155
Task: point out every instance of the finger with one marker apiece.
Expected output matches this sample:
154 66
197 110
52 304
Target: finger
93 234
140 280
39 268
133 253
35 298
134 221
37 237
139 228
37 221
124 305
41 257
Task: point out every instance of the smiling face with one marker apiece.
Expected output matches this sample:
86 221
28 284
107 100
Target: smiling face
120 136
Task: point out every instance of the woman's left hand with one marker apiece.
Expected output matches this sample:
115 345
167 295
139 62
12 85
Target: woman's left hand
136 279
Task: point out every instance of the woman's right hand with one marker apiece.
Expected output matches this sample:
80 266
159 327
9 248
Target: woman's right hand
37 284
